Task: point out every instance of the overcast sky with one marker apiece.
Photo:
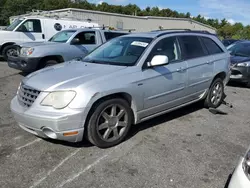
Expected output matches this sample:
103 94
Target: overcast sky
232 10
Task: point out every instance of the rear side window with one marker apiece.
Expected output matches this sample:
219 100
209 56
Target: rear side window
211 46
192 47
111 35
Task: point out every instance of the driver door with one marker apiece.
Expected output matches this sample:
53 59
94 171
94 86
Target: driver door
31 30
165 85
87 41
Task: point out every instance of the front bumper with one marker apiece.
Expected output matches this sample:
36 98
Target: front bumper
239 179
240 74
50 124
27 64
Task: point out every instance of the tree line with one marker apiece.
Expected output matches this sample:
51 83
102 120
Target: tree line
16 7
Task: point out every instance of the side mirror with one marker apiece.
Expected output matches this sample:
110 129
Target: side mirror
158 60
75 41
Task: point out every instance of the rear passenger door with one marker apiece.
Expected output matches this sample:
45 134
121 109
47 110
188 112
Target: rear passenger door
199 66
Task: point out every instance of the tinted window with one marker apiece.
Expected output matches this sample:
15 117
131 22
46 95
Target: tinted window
30 26
211 46
111 35
168 47
192 47
86 37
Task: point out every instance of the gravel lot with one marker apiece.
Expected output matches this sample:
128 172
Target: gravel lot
187 148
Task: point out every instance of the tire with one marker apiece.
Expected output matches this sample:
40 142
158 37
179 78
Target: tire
215 96
247 84
47 63
10 50
105 137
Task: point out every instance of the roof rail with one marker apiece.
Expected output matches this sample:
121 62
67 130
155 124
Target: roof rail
187 31
171 30
103 27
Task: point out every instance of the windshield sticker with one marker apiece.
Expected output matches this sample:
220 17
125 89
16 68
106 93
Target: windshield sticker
138 43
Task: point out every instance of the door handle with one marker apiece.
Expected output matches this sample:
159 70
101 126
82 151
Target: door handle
181 69
209 62
43 36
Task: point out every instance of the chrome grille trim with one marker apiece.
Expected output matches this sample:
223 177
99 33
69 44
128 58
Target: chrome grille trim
27 95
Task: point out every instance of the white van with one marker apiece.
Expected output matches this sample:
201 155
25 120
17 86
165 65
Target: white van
35 28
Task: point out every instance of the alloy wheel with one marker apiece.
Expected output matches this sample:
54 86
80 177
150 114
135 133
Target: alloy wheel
112 123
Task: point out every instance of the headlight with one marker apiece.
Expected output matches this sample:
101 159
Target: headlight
58 99
26 51
245 64
246 164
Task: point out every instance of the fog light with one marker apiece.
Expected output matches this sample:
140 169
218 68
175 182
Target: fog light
49 133
70 133
23 64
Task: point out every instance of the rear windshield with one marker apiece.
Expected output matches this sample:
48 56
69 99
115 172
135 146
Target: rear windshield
111 35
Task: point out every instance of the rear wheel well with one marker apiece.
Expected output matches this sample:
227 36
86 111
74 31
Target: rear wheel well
4 45
57 58
221 75
122 95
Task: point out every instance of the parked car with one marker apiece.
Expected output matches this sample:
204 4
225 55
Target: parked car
64 46
35 28
240 62
125 81
228 42
241 175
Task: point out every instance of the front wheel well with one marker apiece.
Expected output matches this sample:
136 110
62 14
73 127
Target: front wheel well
57 58
122 95
4 45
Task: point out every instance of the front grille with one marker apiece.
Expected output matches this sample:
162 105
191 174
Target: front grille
27 95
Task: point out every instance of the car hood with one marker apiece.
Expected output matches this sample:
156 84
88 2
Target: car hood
69 75
34 44
239 59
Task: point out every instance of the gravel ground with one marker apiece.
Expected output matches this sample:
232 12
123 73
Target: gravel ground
187 148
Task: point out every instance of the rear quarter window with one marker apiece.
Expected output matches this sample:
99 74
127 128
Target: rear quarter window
212 47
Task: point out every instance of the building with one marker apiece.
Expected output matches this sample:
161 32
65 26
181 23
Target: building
127 22
2 27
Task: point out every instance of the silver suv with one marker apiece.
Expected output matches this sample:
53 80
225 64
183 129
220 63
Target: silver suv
125 81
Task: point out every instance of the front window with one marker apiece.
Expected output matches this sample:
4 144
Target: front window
240 49
31 25
14 24
86 37
62 36
123 51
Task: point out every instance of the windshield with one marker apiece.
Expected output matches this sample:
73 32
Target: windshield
62 36
14 24
124 51
239 49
